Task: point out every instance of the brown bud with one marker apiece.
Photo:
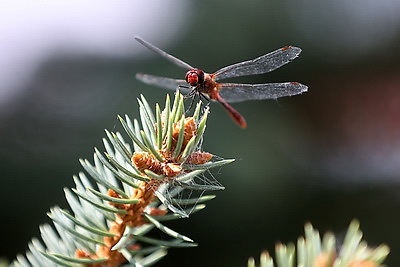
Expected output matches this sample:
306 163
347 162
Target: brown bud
171 169
190 130
157 212
79 253
197 158
363 263
145 161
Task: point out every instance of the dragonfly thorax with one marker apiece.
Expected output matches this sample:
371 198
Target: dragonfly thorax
194 77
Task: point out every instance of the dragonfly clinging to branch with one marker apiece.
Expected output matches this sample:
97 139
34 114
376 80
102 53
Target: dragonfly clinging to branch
206 85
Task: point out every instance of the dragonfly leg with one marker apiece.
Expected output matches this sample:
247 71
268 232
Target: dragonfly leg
192 94
205 98
191 104
183 86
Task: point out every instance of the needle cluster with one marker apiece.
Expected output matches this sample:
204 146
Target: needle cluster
314 252
134 190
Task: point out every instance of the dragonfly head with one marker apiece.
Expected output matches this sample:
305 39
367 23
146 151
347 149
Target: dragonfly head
194 77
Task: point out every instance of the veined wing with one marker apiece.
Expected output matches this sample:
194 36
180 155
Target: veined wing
263 64
163 82
164 54
234 92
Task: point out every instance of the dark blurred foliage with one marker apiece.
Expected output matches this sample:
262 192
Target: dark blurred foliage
327 156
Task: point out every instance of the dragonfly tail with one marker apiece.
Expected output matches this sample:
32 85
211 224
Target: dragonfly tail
233 113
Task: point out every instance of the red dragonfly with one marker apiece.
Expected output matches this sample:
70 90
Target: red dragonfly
206 84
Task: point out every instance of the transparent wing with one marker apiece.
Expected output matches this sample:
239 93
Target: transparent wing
163 82
234 92
164 54
263 64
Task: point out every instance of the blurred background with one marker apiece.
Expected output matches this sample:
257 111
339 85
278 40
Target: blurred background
326 156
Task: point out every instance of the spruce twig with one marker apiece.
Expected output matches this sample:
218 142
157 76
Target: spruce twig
132 192
314 252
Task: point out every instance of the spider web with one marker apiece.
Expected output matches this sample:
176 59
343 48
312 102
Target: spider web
182 195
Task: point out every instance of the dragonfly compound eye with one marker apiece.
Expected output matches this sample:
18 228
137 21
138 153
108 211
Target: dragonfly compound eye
194 77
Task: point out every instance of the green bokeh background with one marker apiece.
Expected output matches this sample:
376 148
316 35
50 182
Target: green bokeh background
327 156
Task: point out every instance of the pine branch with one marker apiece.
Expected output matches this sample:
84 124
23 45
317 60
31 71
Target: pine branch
131 191
314 252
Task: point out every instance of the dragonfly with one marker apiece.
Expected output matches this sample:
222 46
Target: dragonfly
206 84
